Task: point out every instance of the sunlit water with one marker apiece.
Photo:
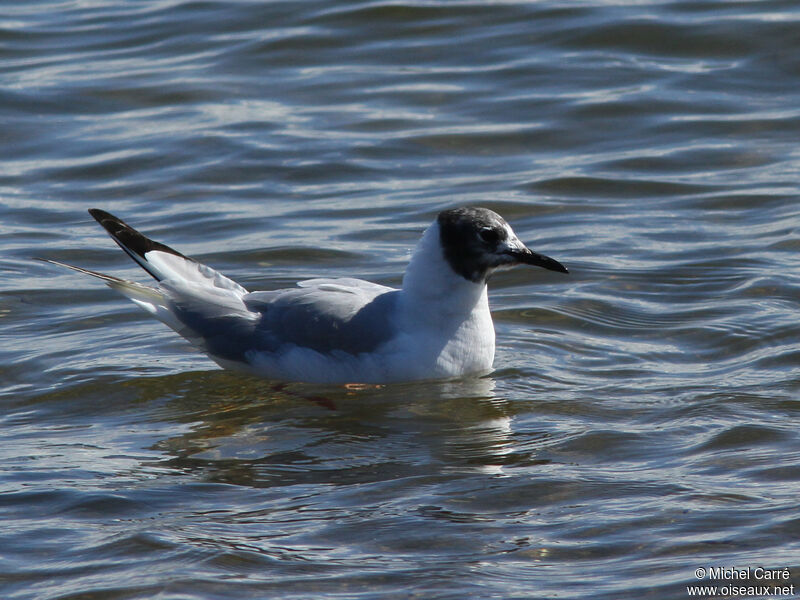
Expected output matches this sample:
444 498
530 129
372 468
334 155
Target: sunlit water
642 421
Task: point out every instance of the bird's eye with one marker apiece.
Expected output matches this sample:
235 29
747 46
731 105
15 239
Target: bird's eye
489 235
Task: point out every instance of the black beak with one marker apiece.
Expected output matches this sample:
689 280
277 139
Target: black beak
529 257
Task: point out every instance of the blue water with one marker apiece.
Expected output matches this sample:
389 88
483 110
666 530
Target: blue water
642 419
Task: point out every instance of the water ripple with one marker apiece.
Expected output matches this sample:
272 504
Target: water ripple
639 424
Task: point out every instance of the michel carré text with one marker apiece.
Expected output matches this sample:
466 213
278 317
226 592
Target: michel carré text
747 573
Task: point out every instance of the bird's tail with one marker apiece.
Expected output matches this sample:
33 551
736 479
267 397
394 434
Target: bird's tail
131 289
196 301
151 299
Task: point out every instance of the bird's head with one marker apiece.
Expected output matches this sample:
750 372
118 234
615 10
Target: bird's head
476 241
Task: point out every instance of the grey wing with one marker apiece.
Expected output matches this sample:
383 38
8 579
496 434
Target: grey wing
214 318
348 315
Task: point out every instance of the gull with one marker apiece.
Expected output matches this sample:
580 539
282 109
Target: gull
345 330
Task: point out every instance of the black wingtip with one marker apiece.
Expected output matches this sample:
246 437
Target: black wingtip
127 236
113 225
131 241
101 214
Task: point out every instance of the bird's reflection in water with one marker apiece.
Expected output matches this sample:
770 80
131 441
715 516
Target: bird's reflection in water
252 432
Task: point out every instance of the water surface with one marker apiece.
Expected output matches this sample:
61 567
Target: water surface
642 420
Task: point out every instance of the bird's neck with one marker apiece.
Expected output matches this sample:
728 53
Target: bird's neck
431 283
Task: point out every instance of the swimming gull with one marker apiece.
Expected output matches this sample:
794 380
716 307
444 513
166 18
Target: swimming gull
436 326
